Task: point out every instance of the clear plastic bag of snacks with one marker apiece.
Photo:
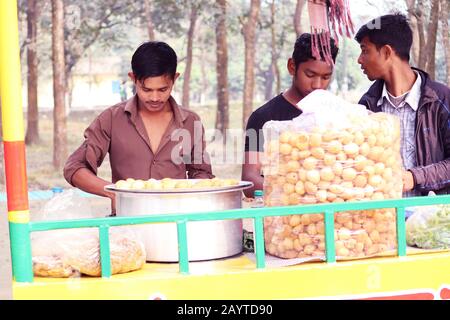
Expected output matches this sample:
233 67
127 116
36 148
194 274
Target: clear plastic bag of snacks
64 253
76 252
333 152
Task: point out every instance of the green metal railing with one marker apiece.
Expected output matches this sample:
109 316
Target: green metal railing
21 243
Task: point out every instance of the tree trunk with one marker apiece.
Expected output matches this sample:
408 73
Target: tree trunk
148 14
411 8
59 83
249 30
204 73
275 54
445 35
415 48
431 43
187 71
298 17
268 83
421 30
344 84
223 117
32 135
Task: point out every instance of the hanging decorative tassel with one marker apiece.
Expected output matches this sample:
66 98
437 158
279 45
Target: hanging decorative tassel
322 14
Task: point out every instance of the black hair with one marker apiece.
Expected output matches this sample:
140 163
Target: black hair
390 29
302 50
154 59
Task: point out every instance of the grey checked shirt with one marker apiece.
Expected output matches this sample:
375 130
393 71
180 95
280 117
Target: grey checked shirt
406 111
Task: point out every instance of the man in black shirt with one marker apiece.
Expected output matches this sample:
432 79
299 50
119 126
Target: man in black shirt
308 74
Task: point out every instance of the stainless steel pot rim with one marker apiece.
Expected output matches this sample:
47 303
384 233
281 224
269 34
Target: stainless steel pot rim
241 186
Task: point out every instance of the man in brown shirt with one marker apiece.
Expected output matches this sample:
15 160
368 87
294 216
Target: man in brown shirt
148 136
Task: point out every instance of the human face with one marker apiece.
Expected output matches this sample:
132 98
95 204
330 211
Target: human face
154 92
310 75
372 60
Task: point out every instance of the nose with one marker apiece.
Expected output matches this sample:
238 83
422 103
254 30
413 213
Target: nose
154 96
317 83
359 60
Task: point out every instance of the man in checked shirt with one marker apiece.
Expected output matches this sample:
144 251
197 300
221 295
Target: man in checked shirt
422 104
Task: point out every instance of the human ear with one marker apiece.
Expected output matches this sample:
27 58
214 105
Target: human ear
132 76
387 51
291 66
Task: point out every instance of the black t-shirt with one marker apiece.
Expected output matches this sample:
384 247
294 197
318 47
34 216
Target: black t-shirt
277 109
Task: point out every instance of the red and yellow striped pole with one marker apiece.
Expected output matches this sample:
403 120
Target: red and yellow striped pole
14 145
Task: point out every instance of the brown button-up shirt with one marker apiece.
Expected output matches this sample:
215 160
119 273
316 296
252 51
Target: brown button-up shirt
120 131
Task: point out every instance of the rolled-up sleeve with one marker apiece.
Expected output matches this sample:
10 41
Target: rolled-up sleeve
94 148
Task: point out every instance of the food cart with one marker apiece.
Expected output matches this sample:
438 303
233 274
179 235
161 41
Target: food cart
404 274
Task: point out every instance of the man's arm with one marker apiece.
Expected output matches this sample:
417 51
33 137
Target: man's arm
254 140
81 167
251 171
433 177
436 176
85 180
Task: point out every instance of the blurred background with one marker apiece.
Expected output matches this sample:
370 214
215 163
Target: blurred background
232 58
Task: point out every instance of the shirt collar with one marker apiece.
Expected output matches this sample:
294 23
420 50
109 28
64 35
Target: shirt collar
384 94
412 99
180 114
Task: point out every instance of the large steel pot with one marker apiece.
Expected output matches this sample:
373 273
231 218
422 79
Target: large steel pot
206 239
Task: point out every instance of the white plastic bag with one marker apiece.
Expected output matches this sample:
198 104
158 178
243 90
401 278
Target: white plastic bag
323 109
65 205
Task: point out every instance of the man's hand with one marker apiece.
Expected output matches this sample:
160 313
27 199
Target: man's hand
112 196
408 181
87 181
